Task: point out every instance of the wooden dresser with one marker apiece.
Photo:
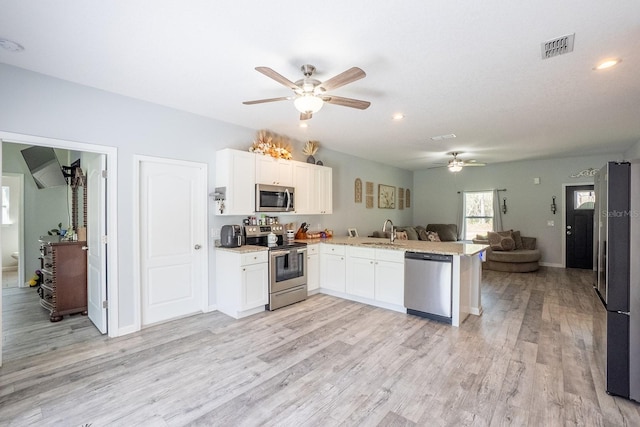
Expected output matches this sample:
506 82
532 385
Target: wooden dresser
64 277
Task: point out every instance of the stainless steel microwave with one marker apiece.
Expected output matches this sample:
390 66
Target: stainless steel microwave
274 198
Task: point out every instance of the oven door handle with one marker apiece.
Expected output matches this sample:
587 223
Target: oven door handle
278 253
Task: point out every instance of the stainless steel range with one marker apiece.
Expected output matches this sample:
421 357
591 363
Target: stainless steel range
287 264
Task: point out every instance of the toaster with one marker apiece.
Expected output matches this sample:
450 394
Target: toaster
231 236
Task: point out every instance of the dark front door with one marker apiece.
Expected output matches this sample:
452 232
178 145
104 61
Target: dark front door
579 226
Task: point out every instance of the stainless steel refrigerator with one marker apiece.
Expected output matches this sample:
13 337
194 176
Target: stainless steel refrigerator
616 325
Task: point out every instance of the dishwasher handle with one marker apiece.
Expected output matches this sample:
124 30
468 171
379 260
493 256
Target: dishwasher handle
421 256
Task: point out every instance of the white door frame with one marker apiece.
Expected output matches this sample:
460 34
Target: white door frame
564 219
111 154
137 273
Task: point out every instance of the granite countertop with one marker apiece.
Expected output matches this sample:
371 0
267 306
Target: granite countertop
443 248
244 249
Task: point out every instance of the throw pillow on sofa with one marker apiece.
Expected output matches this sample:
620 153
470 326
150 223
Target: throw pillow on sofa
432 236
412 234
501 241
518 239
446 232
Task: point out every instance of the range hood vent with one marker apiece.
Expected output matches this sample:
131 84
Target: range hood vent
558 46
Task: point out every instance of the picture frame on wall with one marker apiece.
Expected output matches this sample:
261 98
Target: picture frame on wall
386 196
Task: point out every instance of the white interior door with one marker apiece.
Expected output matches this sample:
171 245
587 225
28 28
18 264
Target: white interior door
172 239
94 164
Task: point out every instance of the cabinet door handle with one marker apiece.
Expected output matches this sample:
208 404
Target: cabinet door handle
196 247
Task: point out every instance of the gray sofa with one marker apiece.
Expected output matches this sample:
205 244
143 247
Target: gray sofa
446 232
523 259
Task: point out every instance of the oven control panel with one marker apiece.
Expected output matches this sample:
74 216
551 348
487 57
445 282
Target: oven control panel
263 230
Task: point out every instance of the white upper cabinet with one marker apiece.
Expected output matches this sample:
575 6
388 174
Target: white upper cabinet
239 172
324 189
313 184
305 193
273 171
235 171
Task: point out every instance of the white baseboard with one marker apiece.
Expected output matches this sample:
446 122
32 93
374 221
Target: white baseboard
124 331
550 264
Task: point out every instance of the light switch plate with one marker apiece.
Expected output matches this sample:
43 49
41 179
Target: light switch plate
536 180
551 223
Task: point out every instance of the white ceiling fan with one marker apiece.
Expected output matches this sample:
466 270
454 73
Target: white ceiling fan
310 94
456 164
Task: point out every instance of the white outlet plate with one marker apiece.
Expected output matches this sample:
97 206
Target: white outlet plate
551 223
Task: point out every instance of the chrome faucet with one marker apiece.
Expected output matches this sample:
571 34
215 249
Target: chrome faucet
392 234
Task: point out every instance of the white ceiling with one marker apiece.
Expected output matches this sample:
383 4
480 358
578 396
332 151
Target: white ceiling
472 68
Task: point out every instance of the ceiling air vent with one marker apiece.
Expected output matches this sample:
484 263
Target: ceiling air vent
558 46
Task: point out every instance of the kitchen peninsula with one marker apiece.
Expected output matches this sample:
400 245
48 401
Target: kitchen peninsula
387 290
371 271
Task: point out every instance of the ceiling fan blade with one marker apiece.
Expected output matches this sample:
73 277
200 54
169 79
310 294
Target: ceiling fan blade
306 116
351 75
347 102
278 77
260 101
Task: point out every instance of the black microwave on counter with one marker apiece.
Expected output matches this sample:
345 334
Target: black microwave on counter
274 198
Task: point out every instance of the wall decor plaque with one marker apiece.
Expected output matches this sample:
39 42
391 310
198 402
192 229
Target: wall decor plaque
358 191
407 198
386 196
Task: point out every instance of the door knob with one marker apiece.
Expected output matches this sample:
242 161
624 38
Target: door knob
568 233
196 247
568 227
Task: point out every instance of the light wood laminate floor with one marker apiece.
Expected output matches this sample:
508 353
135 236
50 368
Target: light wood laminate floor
323 362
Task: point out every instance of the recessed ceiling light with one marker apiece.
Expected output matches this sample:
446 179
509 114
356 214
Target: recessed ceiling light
443 137
607 64
11 46
398 116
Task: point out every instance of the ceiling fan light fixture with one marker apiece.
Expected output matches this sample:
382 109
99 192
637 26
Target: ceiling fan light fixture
308 103
455 167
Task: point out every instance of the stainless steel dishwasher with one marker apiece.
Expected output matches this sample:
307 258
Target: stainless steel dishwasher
428 285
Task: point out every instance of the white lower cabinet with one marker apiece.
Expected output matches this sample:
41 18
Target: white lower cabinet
313 268
376 274
242 282
361 272
332 267
389 282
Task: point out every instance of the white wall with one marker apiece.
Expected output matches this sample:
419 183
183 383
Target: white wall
10 231
633 153
49 107
528 204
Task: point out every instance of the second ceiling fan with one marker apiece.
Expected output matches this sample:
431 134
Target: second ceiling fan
456 164
310 93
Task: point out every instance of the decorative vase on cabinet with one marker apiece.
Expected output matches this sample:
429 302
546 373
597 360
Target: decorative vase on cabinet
311 160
